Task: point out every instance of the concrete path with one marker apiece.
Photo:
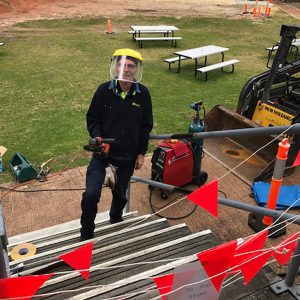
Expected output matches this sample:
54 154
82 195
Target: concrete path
28 211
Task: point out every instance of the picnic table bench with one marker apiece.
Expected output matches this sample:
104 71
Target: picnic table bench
295 45
168 33
202 52
197 53
173 39
138 33
172 60
221 65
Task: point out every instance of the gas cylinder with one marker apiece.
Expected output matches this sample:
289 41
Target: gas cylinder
197 126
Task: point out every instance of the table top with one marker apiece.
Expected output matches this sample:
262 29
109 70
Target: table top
154 28
201 51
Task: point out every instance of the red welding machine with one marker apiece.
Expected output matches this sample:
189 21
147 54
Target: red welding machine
172 163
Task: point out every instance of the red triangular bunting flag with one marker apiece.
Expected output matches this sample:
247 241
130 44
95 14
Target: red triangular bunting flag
206 197
297 160
245 250
24 287
254 264
164 284
216 261
286 247
80 259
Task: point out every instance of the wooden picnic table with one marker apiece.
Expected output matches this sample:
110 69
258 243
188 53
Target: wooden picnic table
196 53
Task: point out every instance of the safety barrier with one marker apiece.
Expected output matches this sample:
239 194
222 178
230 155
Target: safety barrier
288 283
224 201
285 285
277 178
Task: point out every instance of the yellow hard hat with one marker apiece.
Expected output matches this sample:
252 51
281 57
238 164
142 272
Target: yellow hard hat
128 52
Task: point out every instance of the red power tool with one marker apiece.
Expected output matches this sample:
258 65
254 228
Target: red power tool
99 145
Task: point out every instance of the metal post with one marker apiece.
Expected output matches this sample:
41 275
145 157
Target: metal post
4 262
288 283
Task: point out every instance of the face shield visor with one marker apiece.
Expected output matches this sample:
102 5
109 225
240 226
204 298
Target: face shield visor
126 68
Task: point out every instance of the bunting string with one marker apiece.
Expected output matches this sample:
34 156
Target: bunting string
226 284
259 254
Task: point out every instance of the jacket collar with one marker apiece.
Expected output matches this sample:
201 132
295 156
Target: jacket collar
115 87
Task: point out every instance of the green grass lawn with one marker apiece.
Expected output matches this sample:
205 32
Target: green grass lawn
51 68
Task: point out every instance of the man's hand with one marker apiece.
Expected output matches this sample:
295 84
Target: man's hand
139 161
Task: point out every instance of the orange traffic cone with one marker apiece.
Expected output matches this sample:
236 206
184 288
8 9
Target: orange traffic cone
109 30
245 8
254 12
259 12
268 14
267 7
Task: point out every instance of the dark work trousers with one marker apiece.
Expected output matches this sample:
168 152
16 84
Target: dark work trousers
94 179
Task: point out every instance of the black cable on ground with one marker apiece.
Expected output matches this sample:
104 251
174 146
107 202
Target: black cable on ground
173 200
169 218
48 190
40 190
222 192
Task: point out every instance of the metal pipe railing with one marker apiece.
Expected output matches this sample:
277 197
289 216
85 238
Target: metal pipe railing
279 287
225 201
231 133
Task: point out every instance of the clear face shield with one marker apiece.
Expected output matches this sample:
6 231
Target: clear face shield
126 68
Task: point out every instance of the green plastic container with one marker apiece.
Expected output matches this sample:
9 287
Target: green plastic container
22 168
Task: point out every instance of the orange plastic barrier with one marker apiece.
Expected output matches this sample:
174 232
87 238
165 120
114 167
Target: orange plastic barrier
281 157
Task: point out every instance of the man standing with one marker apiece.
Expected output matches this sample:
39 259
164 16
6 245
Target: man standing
120 109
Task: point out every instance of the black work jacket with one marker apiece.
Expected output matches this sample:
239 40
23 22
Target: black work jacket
128 121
